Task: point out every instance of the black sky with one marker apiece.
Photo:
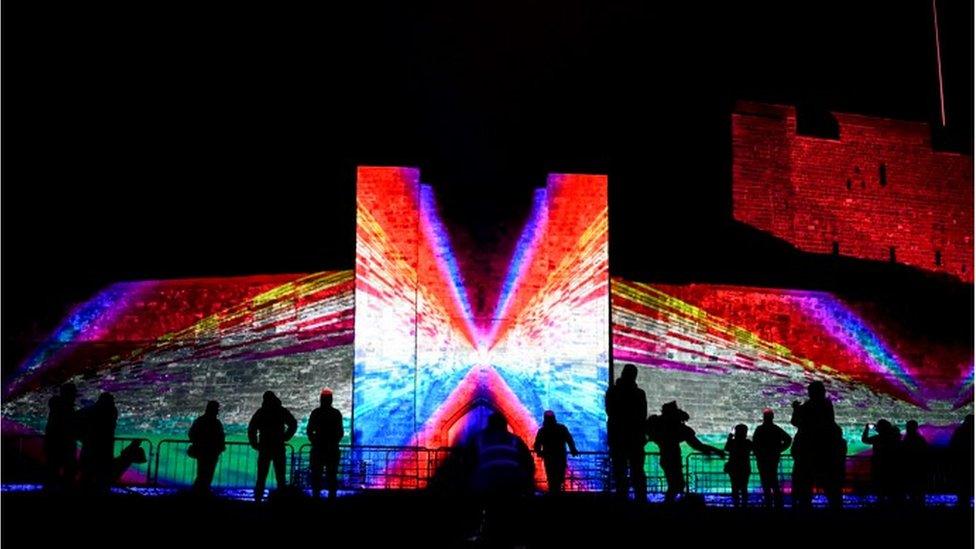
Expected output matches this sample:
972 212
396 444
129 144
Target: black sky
142 142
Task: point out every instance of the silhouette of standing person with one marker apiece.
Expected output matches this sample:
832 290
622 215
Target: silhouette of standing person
739 468
59 437
98 442
503 471
626 406
206 444
668 431
768 443
961 456
324 432
818 448
550 443
884 459
914 463
271 426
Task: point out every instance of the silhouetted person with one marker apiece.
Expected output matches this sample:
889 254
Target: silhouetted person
818 448
206 445
738 467
503 471
768 443
668 431
885 450
550 443
324 432
60 434
914 463
132 453
626 406
270 428
961 456
98 442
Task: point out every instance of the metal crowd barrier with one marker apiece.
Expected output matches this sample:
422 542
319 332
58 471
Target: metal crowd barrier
411 467
236 468
375 467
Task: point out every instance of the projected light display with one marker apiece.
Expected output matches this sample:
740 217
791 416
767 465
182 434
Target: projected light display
726 353
429 364
439 341
166 347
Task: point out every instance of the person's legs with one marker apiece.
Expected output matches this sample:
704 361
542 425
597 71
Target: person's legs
332 471
70 466
740 484
802 484
675 479
555 474
58 459
315 471
618 463
637 475
278 458
201 473
769 478
264 459
103 467
209 468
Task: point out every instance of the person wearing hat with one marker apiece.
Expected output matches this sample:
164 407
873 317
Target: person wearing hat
668 431
550 443
324 432
268 431
769 441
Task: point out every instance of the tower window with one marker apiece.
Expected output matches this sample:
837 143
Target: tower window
848 183
883 174
891 254
938 258
835 247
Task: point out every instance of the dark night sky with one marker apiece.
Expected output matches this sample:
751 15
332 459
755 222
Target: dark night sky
144 143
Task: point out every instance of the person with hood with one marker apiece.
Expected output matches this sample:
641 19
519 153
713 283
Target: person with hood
206 444
503 471
271 426
668 431
550 443
324 431
626 406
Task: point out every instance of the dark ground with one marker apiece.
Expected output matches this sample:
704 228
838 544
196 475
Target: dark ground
420 520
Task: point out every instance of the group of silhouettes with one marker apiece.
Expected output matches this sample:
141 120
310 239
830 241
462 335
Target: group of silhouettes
819 450
97 467
501 463
270 428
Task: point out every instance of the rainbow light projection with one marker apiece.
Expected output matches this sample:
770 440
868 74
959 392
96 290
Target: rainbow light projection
437 342
726 353
428 365
166 347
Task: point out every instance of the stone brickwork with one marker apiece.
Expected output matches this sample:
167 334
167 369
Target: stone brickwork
879 192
